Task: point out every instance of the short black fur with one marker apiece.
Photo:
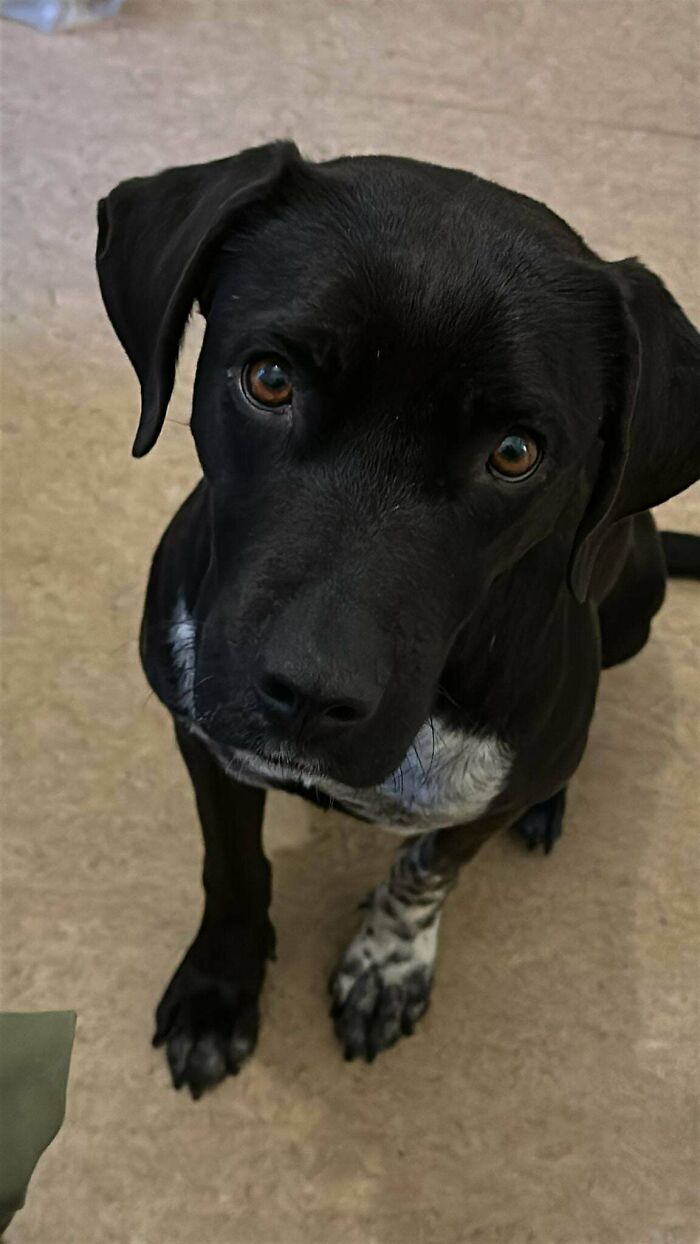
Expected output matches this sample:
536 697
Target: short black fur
350 569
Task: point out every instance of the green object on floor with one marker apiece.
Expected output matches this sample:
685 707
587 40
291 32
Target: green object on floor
35 1052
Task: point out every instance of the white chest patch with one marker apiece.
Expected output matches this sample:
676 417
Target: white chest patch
447 777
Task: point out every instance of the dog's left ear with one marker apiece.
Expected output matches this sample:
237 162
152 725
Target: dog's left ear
156 237
651 434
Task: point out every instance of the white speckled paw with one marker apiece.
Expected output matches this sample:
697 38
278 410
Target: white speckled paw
382 985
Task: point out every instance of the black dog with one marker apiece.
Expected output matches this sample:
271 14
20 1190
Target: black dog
431 423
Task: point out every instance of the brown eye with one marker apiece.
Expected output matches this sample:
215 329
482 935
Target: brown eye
266 382
517 456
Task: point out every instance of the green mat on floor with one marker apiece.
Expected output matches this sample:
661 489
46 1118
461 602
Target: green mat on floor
35 1052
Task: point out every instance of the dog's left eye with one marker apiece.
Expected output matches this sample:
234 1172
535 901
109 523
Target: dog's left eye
517 456
266 382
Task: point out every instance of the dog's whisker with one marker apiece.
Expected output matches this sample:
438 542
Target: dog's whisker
431 762
419 760
442 690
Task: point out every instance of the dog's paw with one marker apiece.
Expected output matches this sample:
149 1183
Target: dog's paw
208 1022
382 985
542 824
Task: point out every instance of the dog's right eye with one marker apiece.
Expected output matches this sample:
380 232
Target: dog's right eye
266 382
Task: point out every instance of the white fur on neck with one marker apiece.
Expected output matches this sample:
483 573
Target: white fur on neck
447 777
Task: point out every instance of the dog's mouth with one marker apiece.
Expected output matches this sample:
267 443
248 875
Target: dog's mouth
280 764
286 762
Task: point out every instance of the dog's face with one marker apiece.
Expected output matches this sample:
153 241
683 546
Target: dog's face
405 384
385 429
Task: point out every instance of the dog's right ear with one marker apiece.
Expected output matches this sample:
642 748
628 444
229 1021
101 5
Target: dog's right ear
651 434
156 237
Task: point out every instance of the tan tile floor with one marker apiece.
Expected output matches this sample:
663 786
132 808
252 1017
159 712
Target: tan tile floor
549 1097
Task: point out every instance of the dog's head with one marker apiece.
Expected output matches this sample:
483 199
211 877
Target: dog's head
409 378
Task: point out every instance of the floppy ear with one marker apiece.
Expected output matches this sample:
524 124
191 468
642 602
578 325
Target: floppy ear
156 236
651 434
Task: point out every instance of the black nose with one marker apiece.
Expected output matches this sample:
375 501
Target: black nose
306 712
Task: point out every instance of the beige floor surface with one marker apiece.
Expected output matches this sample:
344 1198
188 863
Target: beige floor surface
550 1095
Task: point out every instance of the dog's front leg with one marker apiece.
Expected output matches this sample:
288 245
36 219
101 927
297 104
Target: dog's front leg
382 984
208 1016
